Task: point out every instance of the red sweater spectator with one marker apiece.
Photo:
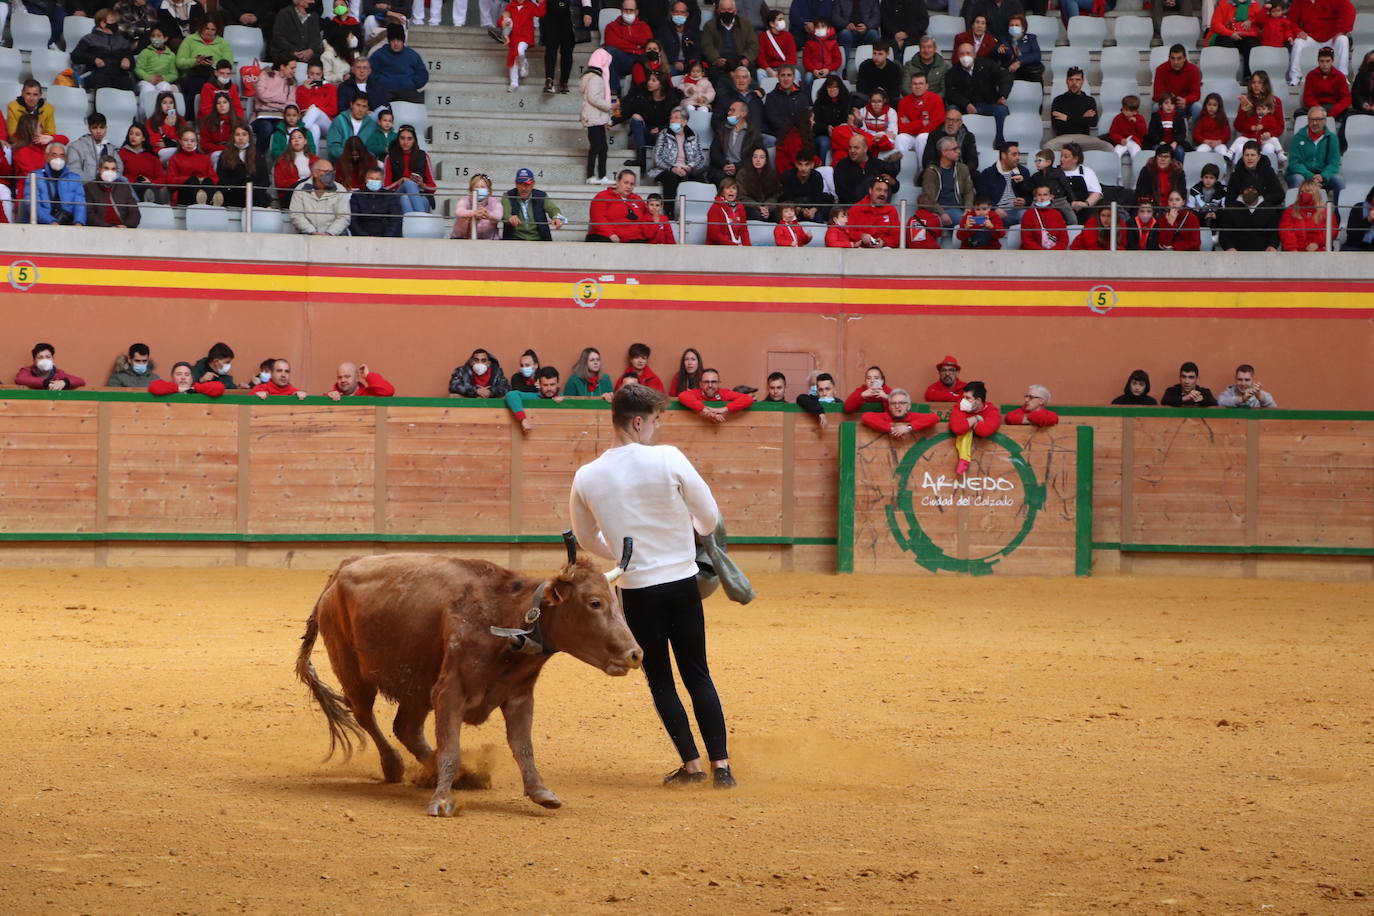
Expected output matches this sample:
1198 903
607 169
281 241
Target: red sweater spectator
920 116
1211 130
28 159
776 49
1043 229
840 136
727 223
1250 124
881 221
215 135
659 230
791 235
1097 237
883 422
273 390
373 386
32 377
923 229
1302 226
184 165
522 15
647 377
786 151
285 174
1184 235
939 392
1040 417
1224 22
1329 90
628 38
206 102
1323 20
614 215
856 398
161 137
1278 32
1185 83
695 399
823 54
969 232
325 97
1127 127
163 387
982 47
144 166
989 420
838 237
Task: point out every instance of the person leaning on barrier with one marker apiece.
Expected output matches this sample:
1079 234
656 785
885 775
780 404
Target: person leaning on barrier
1246 391
1188 393
697 399
637 361
1034 409
480 377
215 366
545 389
814 401
874 220
280 386
183 382
318 205
133 369
353 381
898 420
586 380
775 388
43 373
948 388
972 416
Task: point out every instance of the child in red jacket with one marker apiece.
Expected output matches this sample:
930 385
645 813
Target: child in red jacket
837 233
821 54
924 228
789 233
1042 226
726 221
980 227
659 231
1128 128
519 19
1278 30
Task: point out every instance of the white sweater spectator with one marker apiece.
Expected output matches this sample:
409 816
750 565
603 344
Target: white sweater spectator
318 205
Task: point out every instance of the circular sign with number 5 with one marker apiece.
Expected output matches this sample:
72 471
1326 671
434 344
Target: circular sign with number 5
23 275
1101 299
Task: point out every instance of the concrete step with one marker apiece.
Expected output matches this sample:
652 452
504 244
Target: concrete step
556 167
455 62
488 95
455 132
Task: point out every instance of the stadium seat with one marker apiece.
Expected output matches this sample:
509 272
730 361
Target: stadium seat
424 226
1046 29
1194 161
861 54
1307 61
75 28
205 218
120 108
414 114
942 28
1359 134
768 84
707 15
245 41
11 64
987 156
699 120
45 64
1063 59
156 216
760 234
1026 129
606 17
1220 64
1363 32
1273 61
1182 30
267 220
1026 96
983 127
1229 91
29 31
1106 165
68 100
1087 32
817 231
1109 100
1119 64
1136 32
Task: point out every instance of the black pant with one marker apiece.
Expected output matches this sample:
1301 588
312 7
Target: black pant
558 43
596 151
671 614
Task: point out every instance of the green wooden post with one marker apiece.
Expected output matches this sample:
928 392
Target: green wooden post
844 530
1083 509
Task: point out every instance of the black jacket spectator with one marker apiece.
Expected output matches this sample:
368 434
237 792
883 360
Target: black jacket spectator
831 112
720 143
888 79
376 95
233 12
988 82
680 47
290 34
779 108
1248 230
657 14
375 213
1261 178
1173 397
176 29
910 16
110 48
1076 105
728 96
461 383
852 181
1183 136
1052 178
809 193
992 184
655 112
968 147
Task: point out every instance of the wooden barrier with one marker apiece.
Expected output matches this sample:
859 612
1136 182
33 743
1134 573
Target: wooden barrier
97 478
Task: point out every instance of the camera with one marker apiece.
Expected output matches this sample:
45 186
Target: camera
62 216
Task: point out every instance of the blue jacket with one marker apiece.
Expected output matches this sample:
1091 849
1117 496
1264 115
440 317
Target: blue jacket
67 189
404 71
1028 46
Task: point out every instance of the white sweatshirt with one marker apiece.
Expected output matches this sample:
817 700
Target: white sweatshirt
650 493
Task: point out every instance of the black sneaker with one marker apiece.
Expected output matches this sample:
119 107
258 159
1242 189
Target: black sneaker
496 36
723 778
680 777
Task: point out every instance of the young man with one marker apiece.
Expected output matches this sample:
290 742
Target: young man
1188 393
973 416
653 494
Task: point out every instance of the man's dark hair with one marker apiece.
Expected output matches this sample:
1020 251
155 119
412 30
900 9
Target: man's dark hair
395 30
223 64
629 373
825 377
635 401
982 200
1188 367
32 84
1074 71
138 349
177 365
475 350
976 390
1008 144
777 375
638 350
546 372
716 371
1326 52
882 44
220 351
95 119
40 347
1178 49
1245 367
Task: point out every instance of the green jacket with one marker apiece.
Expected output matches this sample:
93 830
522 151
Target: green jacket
578 388
279 137
379 142
1308 157
341 131
151 62
192 47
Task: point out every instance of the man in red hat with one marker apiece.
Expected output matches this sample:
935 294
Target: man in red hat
948 388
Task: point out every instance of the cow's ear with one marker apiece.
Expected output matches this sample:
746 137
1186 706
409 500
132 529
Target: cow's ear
556 597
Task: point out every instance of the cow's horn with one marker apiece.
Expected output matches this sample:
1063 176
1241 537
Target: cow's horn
571 543
624 561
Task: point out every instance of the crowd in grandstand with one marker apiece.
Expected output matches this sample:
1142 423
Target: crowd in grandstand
752 101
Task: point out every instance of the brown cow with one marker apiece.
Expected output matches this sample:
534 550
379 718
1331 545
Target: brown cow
444 633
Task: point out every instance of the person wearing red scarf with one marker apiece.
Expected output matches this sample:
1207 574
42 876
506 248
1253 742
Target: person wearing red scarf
899 421
352 381
1303 225
638 362
726 221
696 398
480 377
1142 229
1034 409
948 388
280 386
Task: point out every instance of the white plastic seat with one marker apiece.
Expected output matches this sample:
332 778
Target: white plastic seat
1026 96
1220 64
1026 129
697 190
1046 29
245 41
29 31
861 54
206 218
1109 100
11 64
267 220
699 120
606 17
1194 161
1359 134
1063 59
1087 32
1119 63
75 28
1106 165
1135 32
120 108
424 226
45 64
1273 61
67 100
983 127
760 234
1181 30
155 216
943 29
414 114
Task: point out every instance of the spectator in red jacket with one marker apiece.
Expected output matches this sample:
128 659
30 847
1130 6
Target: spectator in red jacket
973 416
1321 22
837 233
182 382
789 233
617 213
352 381
776 45
948 388
1042 226
1237 24
710 390
658 228
142 167
920 112
874 221
1326 86
223 81
280 386
624 39
1303 225
637 361
44 374
821 53
1278 31
924 228
727 223
1034 409
1128 128
980 227
874 390
1211 131
898 421
1096 234
1178 228
190 172
1180 78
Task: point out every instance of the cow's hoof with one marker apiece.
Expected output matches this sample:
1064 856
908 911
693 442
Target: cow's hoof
545 799
442 808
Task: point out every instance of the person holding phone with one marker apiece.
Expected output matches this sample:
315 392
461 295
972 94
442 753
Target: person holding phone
874 390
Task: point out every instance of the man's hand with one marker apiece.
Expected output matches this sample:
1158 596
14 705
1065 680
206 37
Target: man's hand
527 424
1059 116
899 430
483 392
56 385
614 238
973 420
557 398
729 168
972 108
364 372
558 222
301 395
125 63
514 220
99 62
208 377
946 220
1090 113
262 394
248 19
823 420
303 55
333 395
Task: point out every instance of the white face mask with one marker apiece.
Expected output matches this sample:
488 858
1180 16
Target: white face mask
139 368
57 164
1015 31
1042 204
629 17
108 175
527 371
224 369
264 377
479 368
826 400
43 365
966 61
821 33
780 25
966 405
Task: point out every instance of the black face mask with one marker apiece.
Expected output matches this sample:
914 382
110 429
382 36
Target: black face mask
726 19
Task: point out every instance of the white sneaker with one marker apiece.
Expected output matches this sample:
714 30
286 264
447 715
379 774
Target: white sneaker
594 180
512 87
414 21
434 22
524 66
607 180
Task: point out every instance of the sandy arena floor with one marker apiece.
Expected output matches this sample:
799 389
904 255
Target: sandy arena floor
1008 746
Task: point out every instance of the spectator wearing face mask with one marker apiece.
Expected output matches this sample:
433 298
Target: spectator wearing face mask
816 402
156 69
43 374
480 205
624 39
105 56
60 191
479 377
134 369
1034 409
376 210
522 379
280 385
215 366
318 205
183 382
973 416
110 200
354 381
221 83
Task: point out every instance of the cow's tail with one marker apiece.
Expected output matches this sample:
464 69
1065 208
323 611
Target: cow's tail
343 728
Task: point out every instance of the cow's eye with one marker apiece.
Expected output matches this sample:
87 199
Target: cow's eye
596 604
